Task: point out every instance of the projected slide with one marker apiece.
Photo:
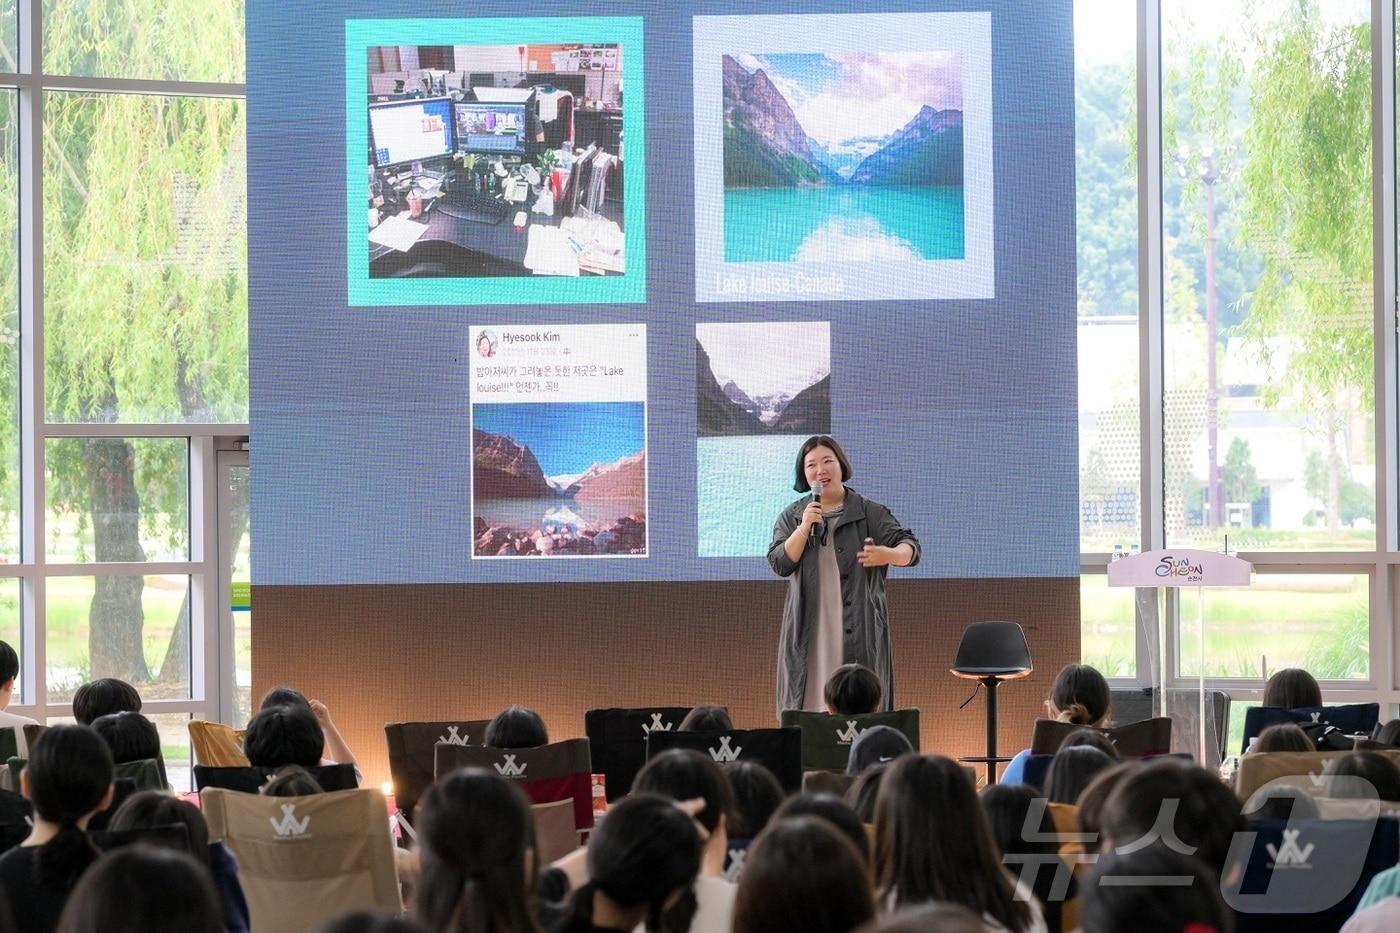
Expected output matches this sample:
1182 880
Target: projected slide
761 390
559 441
848 157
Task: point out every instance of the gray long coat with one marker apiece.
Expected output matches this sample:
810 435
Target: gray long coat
866 620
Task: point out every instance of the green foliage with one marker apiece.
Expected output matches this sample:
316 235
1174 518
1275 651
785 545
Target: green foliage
748 163
1240 477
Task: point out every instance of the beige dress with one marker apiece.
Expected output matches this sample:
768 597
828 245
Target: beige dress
825 654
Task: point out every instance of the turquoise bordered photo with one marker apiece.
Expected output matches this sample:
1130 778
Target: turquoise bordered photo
363 34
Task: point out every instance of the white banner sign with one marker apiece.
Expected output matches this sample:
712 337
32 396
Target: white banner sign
1179 567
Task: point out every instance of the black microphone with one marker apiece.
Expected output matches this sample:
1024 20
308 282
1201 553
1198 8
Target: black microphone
820 527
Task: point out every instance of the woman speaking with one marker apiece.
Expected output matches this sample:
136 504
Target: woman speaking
840 544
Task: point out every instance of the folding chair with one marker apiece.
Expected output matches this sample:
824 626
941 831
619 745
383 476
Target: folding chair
1137 705
618 739
1351 718
304 860
555 834
250 780
778 750
1304 770
15 814
411 752
558 771
1143 739
826 740
146 774
217 745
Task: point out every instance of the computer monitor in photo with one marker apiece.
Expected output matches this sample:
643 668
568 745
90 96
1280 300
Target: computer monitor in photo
410 131
495 128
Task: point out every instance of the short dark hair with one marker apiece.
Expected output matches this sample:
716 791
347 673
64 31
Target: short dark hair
803 874
516 727
144 888
1071 772
102 696
283 696
130 736
835 811
685 774
9 663
284 735
1147 906
1093 738
1283 737
152 808
1207 818
291 781
1292 688
810 444
1370 767
757 795
706 717
853 689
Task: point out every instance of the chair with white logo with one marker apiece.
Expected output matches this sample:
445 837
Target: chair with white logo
411 754
216 744
1304 770
558 771
618 738
778 750
304 860
145 774
826 739
1350 718
250 780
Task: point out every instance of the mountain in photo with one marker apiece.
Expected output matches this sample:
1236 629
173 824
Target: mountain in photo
809 412
717 415
503 468
928 150
741 398
845 162
764 143
623 479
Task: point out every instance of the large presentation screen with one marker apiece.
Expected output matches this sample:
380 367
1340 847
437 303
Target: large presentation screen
547 292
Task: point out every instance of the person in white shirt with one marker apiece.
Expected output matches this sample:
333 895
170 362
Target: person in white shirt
9 670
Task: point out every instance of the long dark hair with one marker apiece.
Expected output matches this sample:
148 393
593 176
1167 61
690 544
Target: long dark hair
476 837
835 811
646 850
1072 770
1292 688
932 842
151 808
1206 816
140 888
1011 809
69 773
685 774
757 794
803 874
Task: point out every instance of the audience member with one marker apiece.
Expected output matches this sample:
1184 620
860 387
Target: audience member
68 779
291 781
852 690
1365 775
832 809
1280 802
102 696
1025 835
1079 695
476 843
1292 688
876 745
643 856
943 917
1147 907
336 749
373 921
803 874
9 670
1198 809
138 889
130 736
757 794
706 718
932 843
1283 737
284 735
1092 738
685 774
1072 770
865 791
1089 809
516 727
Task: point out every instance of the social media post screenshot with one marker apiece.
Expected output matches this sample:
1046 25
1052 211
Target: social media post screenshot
559 440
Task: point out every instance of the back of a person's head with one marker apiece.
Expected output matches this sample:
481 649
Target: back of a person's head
68 777
373 921
516 727
9 663
1079 695
105 695
1009 807
1071 771
1292 688
942 916
475 839
1091 802
137 889
1364 775
1283 737
832 809
291 781
284 735
645 852
706 718
866 790
130 736
283 696
757 794
685 774
932 842
803 874
1149 906
1280 802
877 745
1091 738
1203 813
852 690
149 809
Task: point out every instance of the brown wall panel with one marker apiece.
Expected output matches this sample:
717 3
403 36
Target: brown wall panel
387 653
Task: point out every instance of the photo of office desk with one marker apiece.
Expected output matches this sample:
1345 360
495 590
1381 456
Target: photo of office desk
452 247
